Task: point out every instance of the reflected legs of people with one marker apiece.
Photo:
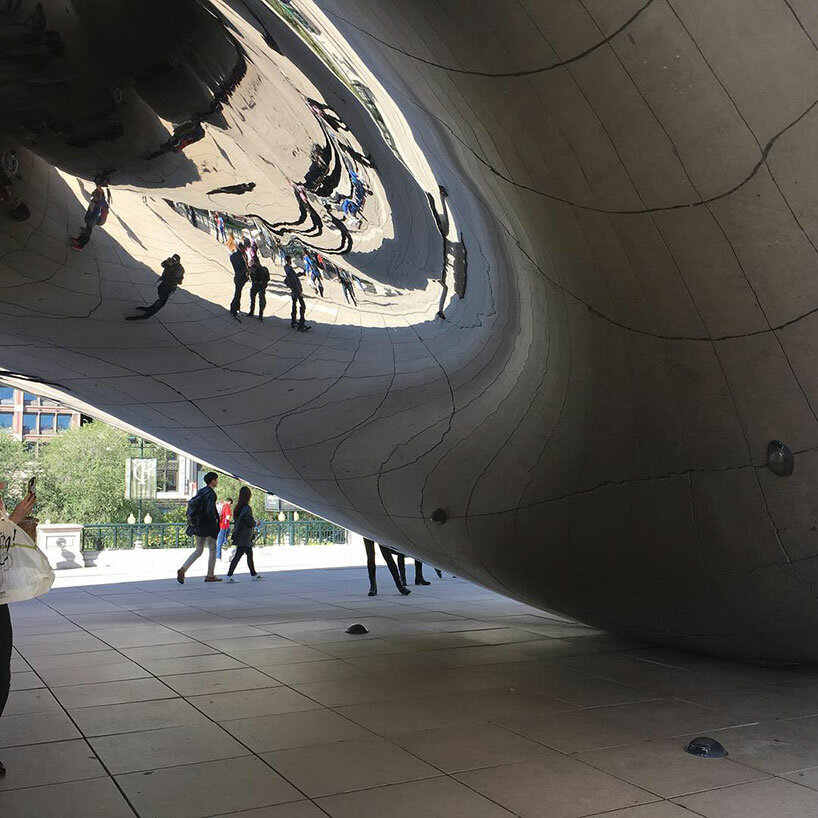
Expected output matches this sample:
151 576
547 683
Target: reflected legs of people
259 291
419 579
298 302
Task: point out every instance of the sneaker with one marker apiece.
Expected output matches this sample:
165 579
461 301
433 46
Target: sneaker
213 579
230 579
180 577
258 576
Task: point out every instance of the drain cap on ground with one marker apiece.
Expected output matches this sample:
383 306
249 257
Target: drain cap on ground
705 747
356 629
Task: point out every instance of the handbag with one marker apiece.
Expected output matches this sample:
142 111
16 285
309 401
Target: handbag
25 572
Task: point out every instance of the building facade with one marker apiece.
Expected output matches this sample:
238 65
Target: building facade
31 418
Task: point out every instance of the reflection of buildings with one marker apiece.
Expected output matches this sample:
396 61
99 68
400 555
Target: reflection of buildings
31 418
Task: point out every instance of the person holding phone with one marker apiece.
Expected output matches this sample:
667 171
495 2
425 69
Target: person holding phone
21 511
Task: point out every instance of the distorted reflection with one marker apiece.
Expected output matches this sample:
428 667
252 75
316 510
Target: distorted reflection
559 268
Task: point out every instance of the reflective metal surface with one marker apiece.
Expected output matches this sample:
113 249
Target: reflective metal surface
585 235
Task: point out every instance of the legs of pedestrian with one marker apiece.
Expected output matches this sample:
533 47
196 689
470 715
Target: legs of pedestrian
211 560
252 301
5 662
220 542
369 545
242 550
419 580
295 298
262 302
234 562
195 554
401 567
201 543
388 556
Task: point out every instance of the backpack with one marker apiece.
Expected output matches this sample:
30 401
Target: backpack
194 512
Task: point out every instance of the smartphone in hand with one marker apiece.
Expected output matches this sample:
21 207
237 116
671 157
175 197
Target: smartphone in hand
31 484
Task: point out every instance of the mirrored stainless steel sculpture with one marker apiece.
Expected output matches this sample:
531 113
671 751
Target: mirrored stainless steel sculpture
581 235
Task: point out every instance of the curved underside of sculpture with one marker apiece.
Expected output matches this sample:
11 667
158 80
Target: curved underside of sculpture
584 237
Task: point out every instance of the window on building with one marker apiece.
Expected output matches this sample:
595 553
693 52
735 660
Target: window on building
167 471
47 423
29 424
63 422
29 399
7 420
6 396
49 402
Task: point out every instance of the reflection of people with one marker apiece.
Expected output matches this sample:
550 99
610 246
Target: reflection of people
259 279
244 529
311 269
346 284
388 555
225 515
239 279
172 276
203 523
292 280
97 213
21 511
219 221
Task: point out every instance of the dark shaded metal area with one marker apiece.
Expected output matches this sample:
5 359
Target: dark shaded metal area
587 403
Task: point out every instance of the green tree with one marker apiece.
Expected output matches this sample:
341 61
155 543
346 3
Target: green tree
16 467
82 477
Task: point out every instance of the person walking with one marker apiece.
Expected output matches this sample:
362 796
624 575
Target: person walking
203 524
96 214
225 516
388 556
292 280
21 511
259 279
240 274
244 530
172 276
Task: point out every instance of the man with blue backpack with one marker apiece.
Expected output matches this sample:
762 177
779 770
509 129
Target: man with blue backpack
203 524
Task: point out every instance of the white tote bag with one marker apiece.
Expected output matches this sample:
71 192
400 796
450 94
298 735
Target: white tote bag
24 569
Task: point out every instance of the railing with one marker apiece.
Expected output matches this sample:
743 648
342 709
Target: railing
120 536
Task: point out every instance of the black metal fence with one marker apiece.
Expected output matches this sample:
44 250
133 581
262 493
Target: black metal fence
120 536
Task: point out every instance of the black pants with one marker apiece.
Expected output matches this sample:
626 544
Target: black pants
163 294
5 655
240 551
259 290
387 554
402 569
85 235
298 299
235 304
